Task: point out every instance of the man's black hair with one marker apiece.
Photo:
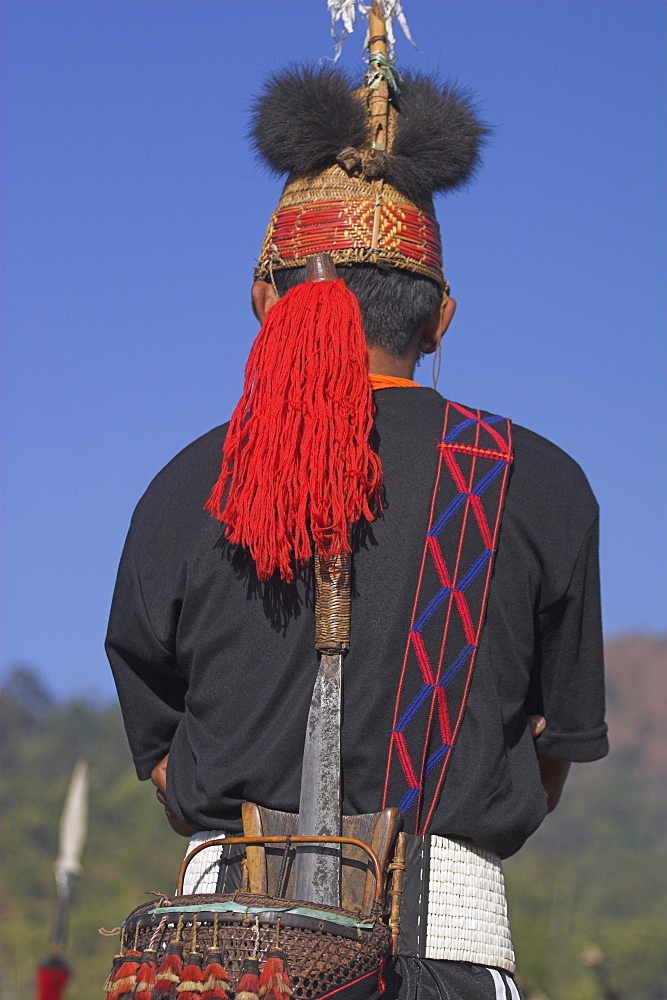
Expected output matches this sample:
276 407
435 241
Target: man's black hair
394 303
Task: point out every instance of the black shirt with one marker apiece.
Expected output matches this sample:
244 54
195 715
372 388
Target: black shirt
218 669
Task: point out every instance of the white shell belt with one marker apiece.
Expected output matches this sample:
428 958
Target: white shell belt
202 873
466 910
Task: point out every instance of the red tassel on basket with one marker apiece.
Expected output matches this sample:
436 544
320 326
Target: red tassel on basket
297 456
125 978
216 980
191 985
115 966
168 973
247 987
146 976
274 981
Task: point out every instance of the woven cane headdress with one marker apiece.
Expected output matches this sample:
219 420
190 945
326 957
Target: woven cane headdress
362 166
363 163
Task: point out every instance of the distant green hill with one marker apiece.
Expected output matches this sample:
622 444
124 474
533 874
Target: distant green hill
595 874
40 742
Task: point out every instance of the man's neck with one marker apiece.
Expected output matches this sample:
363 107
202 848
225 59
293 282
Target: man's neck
382 363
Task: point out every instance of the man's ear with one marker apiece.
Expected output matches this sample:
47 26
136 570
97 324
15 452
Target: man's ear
447 310
263 296
437 326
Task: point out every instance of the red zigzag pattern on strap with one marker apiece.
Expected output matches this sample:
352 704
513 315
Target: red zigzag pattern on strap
446 626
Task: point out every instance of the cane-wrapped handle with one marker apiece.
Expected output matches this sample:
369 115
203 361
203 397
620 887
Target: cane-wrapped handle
332 603
332 575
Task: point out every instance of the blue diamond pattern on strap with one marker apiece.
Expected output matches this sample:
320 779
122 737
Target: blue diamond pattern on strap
437 755
431 608
409 798
444 593
454 668
475 569
418 758
461 498
487 479
455 431
413 708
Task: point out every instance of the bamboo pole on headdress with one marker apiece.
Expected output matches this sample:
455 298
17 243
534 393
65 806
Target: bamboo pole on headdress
378 103
378 97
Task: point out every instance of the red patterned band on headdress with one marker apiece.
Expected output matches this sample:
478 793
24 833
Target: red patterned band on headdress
407 237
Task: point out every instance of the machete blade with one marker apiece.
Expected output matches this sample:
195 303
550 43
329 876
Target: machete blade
317 868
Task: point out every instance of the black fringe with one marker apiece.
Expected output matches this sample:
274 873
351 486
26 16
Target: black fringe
438 139
306 116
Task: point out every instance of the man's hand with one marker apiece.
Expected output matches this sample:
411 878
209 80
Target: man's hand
159 775
552 772
537 725
159 779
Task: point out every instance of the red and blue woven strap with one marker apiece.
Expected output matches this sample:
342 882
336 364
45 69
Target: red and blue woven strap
475 454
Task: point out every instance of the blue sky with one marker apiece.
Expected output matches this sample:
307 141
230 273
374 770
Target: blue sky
133 212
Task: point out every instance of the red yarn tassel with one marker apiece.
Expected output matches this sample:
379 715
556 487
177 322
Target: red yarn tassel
146 976
117 962
274 981
247 987
297 455
191 985
168 974
216 980
125 978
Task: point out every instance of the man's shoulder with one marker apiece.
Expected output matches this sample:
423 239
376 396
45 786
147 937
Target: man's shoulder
201 452
550 506
535 456
186 480
541 464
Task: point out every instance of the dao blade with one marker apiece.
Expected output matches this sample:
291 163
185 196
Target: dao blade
317 868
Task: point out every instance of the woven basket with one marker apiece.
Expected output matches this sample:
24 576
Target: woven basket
325 947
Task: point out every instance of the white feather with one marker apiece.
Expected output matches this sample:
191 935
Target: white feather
345 11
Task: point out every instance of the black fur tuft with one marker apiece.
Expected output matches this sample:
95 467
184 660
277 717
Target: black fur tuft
304 118
438 138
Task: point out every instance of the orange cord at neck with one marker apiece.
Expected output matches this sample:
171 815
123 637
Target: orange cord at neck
390 381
